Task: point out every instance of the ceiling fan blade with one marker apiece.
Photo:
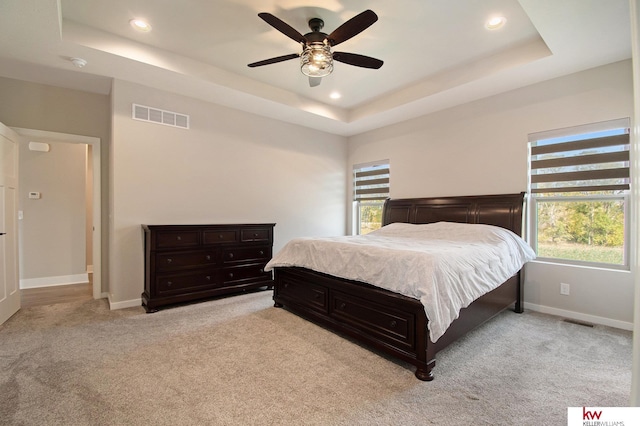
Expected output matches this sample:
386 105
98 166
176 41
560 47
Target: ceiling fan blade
282 26
274 60
314 81
352 27
357 60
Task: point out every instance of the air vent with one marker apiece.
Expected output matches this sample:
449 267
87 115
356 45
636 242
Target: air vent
155 115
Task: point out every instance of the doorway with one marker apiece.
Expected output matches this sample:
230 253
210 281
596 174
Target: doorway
93 160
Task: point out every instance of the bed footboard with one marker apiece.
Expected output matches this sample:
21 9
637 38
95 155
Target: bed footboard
390 322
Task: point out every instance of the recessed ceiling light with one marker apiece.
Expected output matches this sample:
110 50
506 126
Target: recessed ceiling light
335 95
140 25
495 22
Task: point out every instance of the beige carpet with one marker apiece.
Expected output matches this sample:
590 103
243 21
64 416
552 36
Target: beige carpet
239 361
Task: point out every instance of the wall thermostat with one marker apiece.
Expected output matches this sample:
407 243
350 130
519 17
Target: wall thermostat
34 195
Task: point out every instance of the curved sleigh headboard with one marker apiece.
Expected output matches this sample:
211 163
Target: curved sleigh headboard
503 210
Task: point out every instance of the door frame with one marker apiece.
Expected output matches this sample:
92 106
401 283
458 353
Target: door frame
97 193
10 281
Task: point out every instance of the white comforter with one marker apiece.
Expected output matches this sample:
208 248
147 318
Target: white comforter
444 265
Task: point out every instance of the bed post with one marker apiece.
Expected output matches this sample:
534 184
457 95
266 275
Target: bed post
425 353
519 308
276 279
524 208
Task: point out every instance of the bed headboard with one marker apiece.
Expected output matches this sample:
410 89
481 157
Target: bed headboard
504 210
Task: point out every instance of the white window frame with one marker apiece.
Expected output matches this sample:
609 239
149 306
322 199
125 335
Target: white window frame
627 234
533 199
358 204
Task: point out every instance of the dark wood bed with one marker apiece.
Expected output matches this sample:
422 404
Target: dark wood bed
390 322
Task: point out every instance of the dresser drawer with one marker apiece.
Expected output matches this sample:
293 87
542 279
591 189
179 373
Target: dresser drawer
177 261
255 234
379 321
221 236
171 284
254 271
232 255
177 239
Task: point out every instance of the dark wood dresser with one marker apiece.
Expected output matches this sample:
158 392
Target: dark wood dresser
184 263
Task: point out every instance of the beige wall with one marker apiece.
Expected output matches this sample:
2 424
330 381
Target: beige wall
481 148
229 167
53 229
38 106
41 107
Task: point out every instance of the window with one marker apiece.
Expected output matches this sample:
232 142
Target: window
579 185
370 189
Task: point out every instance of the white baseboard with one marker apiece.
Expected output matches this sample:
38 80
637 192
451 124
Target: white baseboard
593 319
124 304
54 281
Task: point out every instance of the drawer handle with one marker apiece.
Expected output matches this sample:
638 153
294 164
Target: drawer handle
393 324
343 305
169 260
179 238
220 236
261 253
261 270
255 234
316 296
230 255
169 283
208 278
208 257
230 274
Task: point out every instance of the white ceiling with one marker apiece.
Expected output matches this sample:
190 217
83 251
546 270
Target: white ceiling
436 53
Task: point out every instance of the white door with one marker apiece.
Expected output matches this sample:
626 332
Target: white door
9 283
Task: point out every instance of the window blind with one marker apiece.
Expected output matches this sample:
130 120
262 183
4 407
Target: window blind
592 164
371 182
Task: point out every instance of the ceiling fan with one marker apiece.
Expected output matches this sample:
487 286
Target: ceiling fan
316 58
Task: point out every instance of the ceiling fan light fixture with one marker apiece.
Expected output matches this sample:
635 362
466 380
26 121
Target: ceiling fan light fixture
316 60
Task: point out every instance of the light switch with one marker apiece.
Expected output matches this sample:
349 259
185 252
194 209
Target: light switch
20 214
34 195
